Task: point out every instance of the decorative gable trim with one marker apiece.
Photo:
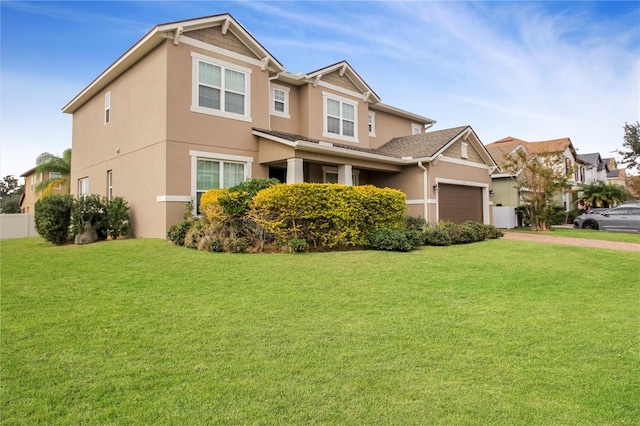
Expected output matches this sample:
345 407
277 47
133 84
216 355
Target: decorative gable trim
343 70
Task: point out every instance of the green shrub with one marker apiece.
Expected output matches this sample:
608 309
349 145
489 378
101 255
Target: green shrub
298 245
211 243
236 245
118 222
53 218
194 234
236 201
326 215
442 234
90 211
391 239
471 232
178 231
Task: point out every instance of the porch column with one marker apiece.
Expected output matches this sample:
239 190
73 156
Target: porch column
345 175
294 171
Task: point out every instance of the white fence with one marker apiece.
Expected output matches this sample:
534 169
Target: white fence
17 226
505 217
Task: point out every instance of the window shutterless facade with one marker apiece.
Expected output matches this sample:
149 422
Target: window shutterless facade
416 129
56 176
372 124
340 118
110 185
220 88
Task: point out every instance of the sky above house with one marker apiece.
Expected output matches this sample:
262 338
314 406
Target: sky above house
531 70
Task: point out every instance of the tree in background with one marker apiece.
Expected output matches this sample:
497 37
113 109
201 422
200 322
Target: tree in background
47 163
539 178
632 183
630 151
601 194
10 192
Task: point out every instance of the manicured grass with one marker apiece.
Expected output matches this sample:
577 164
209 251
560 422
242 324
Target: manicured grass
143 332
591 234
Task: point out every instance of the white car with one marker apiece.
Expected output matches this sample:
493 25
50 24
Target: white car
622 218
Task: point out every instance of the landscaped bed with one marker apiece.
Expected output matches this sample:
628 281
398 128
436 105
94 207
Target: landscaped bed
143 332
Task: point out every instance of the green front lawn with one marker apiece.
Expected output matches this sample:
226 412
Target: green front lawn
142 332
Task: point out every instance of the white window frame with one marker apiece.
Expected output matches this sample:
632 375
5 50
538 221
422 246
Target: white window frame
325 97
416 129
109 185
328 170
464 150
372 123
273 100
221 158
83 187
107 108
195 107
32 185
56 175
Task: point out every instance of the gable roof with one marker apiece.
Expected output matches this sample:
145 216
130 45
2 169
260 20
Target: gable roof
506 146
420 146
172 31
550 146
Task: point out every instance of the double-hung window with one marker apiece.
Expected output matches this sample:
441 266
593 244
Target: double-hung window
372 124
280 101
211 171
340 118
220 88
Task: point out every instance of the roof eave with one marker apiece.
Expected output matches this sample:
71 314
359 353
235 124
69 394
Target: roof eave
402 113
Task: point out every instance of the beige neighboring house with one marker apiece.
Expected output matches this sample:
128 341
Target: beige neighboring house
505 194
200 104
30 195
614 174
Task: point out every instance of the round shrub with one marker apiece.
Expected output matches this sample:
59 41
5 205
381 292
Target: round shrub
298 245
390 239
211 243
53 217
236 245
177 232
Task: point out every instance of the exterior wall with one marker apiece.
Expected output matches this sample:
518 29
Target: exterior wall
19 225
387 127
292 124
131 145
504 192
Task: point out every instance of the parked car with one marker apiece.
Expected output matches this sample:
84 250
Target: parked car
631 202
625 217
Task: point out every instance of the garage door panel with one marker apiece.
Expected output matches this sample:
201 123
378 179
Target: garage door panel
459 203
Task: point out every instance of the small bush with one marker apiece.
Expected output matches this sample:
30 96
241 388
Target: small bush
194 234
90 212
236 245
441 235
211 243
298 245
53 218
471 232
118 224
178 232
391 239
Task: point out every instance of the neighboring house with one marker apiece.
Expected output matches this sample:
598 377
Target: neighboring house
505 194
615 175
201 104
591 168
30 195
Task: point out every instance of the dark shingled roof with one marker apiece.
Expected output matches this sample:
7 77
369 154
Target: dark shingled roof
416 146
419 146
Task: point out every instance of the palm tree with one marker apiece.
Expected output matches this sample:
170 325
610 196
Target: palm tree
47 163
600 194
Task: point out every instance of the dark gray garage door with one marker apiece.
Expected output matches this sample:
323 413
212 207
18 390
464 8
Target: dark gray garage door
460 203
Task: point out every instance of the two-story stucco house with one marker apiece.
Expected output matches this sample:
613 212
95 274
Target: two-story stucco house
200 104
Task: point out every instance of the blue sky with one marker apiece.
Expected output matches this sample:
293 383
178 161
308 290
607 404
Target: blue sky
532 70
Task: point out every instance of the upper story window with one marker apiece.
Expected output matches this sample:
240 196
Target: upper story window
416 129
340 118
372 124
32 185
280 101
220 88
107 108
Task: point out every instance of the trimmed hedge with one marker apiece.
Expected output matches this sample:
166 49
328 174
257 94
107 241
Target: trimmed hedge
327 215
53 218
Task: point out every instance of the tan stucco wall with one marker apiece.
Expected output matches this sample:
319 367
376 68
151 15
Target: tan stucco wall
388 127
31 195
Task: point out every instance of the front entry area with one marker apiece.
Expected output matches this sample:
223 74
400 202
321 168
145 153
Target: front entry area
459 203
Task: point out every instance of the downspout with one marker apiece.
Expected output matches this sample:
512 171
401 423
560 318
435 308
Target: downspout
275 77
425 190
